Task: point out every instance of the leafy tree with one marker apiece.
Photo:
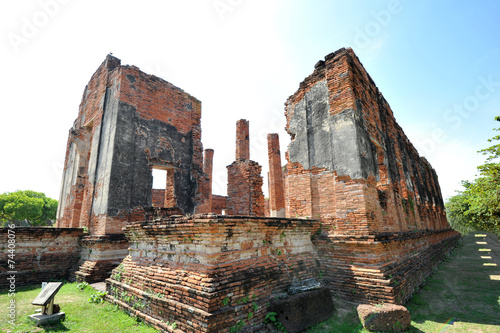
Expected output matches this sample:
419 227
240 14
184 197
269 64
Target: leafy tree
27 205
478 206
456 207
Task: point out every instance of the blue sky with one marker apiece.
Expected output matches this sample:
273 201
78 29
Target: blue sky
436 62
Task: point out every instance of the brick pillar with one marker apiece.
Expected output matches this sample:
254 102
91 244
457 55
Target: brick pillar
242 140
244 182
276 188
207 169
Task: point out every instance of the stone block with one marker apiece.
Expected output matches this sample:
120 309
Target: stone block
300 311
41 319
386 317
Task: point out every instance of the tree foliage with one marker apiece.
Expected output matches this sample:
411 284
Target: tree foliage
27 205
478 205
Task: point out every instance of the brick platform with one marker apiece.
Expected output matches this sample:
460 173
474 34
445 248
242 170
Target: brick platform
207 273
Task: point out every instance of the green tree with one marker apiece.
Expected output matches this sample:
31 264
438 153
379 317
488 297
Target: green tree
478 206
27 205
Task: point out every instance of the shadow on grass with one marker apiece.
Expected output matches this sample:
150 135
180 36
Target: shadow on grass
56 327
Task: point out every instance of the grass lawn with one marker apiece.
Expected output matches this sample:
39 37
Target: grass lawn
462 296
81 316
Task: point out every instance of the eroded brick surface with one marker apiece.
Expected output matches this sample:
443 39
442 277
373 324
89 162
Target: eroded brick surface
40 254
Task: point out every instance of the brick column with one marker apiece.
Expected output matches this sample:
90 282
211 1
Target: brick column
207 169
244 182
242 140
276 188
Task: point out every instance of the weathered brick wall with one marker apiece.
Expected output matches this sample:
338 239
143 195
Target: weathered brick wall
99 256
151 123
383 268
206 273
373 180
158 197
219 203
350 165
128 123
41 254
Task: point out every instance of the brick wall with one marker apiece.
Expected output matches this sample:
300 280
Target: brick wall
41 254
350 165
152 123
158 197
374 181
99 256
219 203
206 273
244 188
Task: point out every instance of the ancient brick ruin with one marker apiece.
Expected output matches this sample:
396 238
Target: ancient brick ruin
355 209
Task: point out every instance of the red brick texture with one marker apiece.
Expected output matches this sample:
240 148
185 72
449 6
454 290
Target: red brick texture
244 180
207 273
408 199
276 187
244 189
158 199
99 256
242 140
219 203
41 254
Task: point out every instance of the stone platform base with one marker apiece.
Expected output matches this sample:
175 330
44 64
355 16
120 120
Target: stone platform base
41 319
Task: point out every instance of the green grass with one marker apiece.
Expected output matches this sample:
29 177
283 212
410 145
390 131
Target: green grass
81 316
463 295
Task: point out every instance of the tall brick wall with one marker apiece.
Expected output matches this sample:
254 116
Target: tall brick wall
244 180
41 254
350 165
360 170
128 123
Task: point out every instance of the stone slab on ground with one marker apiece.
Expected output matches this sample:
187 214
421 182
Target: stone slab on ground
41 319
99 286
302 310
386 317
